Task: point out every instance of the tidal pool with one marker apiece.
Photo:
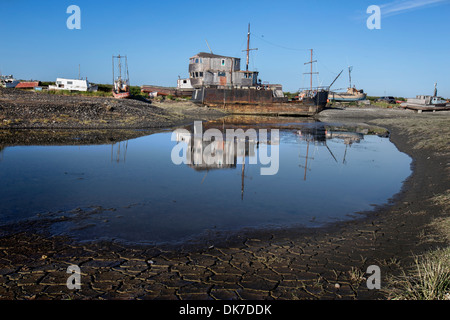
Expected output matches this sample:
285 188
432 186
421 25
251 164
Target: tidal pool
134 191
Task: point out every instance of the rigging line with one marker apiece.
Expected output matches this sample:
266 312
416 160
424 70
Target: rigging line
277 45
237 54
319 61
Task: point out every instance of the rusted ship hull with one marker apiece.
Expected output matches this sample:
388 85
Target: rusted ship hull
258 102
121 95
164 91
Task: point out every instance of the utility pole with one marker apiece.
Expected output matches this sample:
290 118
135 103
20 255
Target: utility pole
248 47
311 62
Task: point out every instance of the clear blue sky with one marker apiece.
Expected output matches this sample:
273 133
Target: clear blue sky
405 57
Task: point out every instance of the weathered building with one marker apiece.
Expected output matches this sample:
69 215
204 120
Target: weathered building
211 70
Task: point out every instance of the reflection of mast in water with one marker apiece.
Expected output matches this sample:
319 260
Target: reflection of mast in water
242 177
125 147
348 137
308 139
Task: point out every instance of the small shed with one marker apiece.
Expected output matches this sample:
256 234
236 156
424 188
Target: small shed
27 85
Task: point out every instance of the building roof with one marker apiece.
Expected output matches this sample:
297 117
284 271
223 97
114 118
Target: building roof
27 84
211 55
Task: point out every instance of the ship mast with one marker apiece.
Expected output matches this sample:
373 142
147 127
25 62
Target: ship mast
311 73
350 76
248 47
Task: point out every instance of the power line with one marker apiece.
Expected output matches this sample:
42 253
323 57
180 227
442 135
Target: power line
277 45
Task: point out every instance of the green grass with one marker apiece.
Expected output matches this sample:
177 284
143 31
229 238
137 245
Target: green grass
428 278
77 93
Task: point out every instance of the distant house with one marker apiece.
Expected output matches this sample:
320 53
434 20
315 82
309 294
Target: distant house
73 85
212 70
27 85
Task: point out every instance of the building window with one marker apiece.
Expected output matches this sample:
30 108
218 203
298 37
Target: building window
221 74
223 62
196 60
184 81
196 74
201 74
69 82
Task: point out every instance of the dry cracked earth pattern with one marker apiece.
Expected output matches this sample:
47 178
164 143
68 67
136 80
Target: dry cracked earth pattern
315 266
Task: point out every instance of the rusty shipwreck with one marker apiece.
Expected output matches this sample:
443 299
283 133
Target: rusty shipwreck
218 82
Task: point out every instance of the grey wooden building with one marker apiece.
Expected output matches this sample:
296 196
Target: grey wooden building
216 71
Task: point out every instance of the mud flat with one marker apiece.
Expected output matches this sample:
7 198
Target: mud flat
322 263
33 110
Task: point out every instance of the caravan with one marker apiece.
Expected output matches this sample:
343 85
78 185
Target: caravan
73 85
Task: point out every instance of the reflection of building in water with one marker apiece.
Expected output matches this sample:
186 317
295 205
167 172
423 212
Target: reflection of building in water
220 154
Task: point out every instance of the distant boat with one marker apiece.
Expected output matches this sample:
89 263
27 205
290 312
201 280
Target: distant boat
8 81
426 102
121 85
352 94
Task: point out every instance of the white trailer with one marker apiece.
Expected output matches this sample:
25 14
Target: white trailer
73 85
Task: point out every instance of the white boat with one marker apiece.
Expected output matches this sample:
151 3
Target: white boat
352 94
8 81
121 84
426 102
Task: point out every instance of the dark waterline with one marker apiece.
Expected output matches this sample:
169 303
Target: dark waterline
132 191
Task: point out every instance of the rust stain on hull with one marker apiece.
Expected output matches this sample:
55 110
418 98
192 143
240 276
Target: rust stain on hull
257 102
275 109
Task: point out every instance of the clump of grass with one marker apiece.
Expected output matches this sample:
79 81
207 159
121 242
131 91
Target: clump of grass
428 279
424 132
442 200
383 104
356 276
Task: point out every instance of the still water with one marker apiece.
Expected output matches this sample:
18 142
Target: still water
133 191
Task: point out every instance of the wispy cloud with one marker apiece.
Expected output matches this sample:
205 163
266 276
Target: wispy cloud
402 6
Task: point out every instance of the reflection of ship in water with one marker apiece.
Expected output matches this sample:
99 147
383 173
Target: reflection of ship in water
307 133
348 137
319 134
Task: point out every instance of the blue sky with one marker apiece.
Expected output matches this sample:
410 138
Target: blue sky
405 57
